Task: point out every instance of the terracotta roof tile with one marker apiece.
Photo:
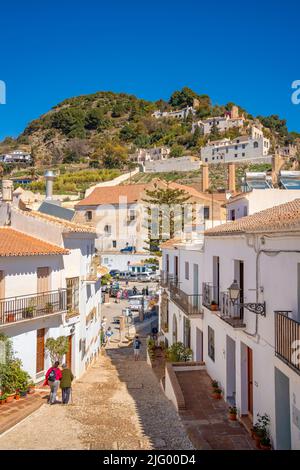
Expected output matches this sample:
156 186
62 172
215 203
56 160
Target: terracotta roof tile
170 243
112 194
278 218
15 243
67 225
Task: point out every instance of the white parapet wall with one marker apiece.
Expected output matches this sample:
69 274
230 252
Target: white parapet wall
186 163
115 182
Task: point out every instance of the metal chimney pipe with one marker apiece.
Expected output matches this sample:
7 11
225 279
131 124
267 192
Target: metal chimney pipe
7 190
49 177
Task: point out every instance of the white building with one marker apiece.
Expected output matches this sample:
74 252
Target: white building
253 356
248 203
16 156
180 114
151 154
49 287
242 149
223 124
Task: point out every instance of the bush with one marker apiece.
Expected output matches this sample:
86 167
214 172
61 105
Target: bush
178 353
12 376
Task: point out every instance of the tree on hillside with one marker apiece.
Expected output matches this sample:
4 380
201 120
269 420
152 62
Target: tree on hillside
165 214
182 98
274 123
114 156
204 106
176 150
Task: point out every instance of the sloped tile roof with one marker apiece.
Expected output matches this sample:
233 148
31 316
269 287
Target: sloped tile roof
112 195
65 224
278 218
15 243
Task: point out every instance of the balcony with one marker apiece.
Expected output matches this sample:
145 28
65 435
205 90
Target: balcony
210 296
166 279
190 304
287 337
27 307
232 314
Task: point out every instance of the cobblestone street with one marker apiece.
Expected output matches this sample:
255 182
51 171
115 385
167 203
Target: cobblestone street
117 404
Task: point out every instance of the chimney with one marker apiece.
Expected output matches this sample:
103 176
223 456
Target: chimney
277 163
49 177
7 190
231 177
205 177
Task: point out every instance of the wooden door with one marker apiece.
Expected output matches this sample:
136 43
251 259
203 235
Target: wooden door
40 350
69 353
250 380
43 280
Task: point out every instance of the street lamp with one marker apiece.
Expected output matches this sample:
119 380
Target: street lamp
234 293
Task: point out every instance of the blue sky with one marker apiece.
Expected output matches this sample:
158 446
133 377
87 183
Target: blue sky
234 51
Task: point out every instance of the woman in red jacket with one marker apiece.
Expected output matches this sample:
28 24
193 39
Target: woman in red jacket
53 378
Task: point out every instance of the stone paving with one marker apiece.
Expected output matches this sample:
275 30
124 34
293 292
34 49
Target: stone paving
117 404
206 419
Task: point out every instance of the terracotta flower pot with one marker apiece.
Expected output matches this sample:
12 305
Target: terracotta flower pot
217 396
10 398
214 307
264 447
2 402
232 416
17 396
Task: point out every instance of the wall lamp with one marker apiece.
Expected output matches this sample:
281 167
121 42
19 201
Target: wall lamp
234 294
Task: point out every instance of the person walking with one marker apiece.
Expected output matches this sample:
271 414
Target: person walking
66 384
136 348
53 377
108 336
119 294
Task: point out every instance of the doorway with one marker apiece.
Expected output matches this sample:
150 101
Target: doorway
230 370
69 353
250 380
40 350
199 345
43 280
282 411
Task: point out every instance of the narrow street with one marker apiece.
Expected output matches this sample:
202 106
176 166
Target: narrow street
117 404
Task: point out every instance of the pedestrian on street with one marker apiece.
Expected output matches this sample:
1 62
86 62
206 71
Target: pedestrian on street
53 377
136 348
108 336
66 384
119 293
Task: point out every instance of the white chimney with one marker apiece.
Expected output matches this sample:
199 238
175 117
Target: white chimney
7 190
49 177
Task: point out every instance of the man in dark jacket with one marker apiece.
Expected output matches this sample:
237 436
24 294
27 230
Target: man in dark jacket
66 384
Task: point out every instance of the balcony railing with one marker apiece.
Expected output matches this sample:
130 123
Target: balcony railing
232 314
210 294
287 337
190 304
166 279
16 309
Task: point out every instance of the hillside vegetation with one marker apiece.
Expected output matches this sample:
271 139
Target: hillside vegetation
104 128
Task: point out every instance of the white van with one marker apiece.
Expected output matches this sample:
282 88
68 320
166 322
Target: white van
145 277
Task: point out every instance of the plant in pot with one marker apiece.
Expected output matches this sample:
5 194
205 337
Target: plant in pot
49 307
217 393
28 312
215 384
232 413
213 305
261 429
17 394
3 398
265 443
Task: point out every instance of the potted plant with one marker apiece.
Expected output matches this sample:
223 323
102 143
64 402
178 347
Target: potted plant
10 397
27 312
49 307
265 443
17 395
3 398
215 384
23 392
232 413
260 430
213 305
11 317
217 393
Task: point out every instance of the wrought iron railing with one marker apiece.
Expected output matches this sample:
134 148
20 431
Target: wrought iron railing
166 279
287 337
230 312
15 309
210 295
190 304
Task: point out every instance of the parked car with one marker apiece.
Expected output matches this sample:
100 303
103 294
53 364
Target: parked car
114 272
145 277
128 249
125 275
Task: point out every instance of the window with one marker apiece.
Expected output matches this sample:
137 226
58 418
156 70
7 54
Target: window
245 211
226 150
236 147
255 145
167 263
107 230
206 213
232 214
243 154
114 243
187 270
89 215
73 294
211 343
132 215
243 146
206 159
235 155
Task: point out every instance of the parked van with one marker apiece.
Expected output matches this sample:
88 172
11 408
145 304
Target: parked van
145 277
124 275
